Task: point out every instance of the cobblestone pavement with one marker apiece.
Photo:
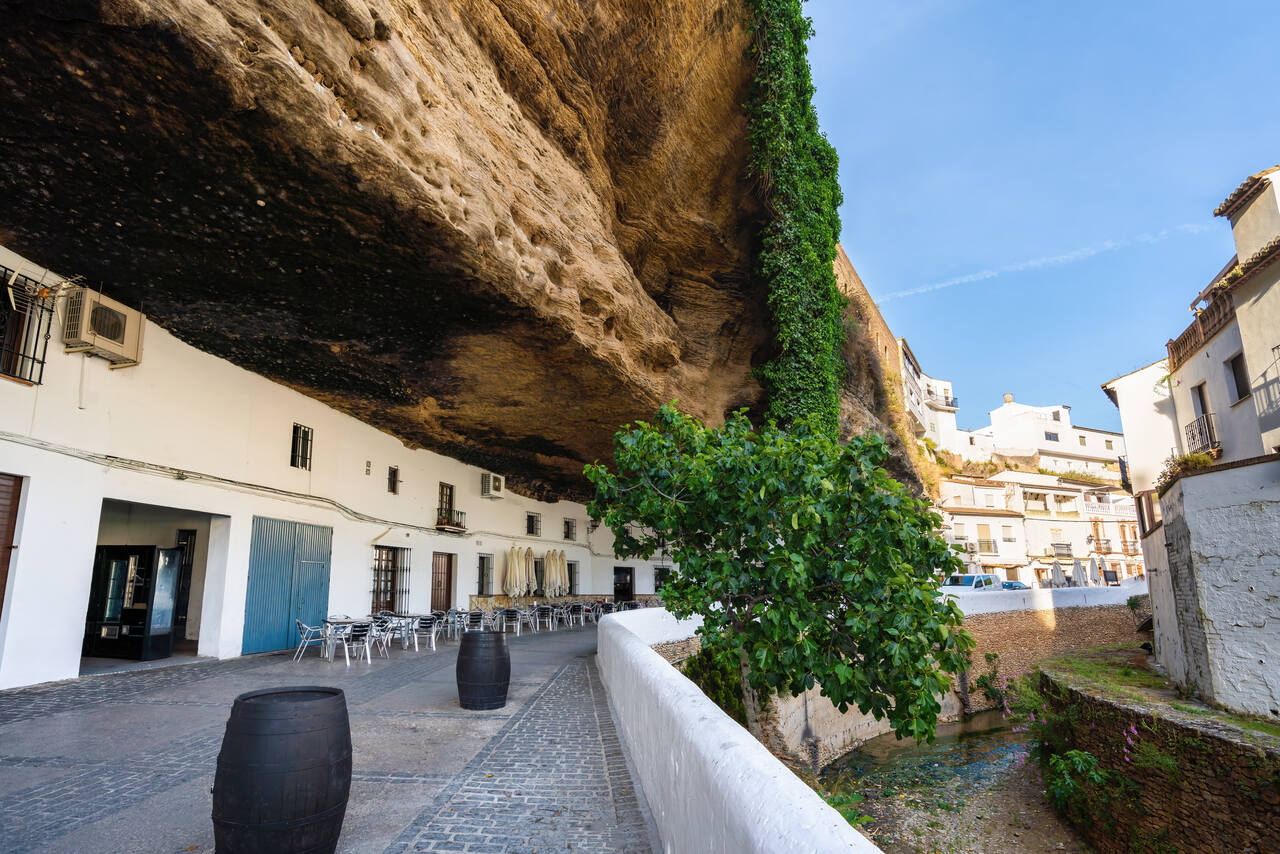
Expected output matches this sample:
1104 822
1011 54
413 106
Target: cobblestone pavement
124 762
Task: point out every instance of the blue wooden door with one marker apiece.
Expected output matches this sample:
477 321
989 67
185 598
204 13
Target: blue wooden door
288 581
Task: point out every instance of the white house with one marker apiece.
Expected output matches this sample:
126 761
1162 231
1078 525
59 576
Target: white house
929 402
282 507
1019 430
985 522
1209 535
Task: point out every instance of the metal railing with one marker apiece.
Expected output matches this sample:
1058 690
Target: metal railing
1060 549
944 400
1131 548
1202 435
26 325
988 547
1102 545
447 517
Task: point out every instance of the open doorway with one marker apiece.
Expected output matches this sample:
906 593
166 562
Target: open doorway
148 581
624 583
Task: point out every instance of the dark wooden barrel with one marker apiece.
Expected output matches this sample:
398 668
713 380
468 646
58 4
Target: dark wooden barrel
284 773
484 670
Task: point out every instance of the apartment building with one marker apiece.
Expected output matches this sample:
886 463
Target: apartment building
929 402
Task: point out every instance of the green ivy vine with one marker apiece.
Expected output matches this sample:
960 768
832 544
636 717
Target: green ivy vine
797 173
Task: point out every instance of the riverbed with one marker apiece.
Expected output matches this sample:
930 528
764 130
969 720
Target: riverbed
975 789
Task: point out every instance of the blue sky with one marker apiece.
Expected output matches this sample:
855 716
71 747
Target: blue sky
1054 165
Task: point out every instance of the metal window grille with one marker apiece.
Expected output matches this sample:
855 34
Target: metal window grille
26 325
390 580
446 497
533 524
300 450
571 529
573 577
393 480
484 581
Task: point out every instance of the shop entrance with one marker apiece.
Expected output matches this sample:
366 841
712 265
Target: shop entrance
624 584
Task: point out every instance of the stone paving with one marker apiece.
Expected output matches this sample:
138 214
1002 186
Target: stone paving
124 762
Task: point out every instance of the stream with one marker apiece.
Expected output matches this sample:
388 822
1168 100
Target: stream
974 789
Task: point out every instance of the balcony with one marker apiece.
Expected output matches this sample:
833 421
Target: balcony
1102 546
943 400
448 519
1059 550
1125 483
988 547
1209 321
1131 549
1202 436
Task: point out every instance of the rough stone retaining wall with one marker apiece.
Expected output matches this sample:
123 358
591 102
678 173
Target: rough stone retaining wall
1023 639
710 786
1223 795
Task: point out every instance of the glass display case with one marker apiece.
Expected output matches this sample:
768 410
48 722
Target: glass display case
131 602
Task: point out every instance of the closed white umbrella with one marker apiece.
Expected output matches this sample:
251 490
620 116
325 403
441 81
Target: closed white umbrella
530 574
562 573
1059 579
1095 577
551 578
1079 578
511 576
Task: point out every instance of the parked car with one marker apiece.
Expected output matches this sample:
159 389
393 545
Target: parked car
1014 585
971 582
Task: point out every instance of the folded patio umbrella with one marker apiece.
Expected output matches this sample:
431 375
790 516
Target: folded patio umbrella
530 574
511 575
1095 577
1059 579
562 574
551 582
1079 578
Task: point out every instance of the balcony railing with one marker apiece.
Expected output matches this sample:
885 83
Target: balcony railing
448 519
988 547
1102 546
1060 549
1202 435
1131 548
944 400
1208 322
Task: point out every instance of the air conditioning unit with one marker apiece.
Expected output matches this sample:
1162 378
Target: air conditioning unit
100 326
491 486
971 548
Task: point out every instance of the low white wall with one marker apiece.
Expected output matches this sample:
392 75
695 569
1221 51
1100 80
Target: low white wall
710 785
1044 599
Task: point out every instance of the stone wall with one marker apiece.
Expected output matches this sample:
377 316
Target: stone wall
1185 783
1023 639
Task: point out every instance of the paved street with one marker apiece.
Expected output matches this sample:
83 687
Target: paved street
124 762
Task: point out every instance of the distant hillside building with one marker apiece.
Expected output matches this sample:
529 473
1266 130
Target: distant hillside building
929 401
1046 432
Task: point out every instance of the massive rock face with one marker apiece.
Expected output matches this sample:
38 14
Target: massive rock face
494 228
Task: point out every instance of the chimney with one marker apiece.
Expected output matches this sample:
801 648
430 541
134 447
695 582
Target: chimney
1008 398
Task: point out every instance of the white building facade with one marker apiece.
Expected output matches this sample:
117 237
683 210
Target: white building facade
254 481
929 402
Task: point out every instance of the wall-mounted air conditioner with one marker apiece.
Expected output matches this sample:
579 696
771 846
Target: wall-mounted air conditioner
492 486
100 326
971 548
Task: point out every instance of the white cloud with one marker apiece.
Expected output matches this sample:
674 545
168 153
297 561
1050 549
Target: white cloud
1047 261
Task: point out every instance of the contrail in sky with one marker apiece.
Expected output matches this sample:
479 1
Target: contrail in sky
1047 261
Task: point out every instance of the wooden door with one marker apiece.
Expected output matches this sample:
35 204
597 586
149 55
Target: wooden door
442 581
10 491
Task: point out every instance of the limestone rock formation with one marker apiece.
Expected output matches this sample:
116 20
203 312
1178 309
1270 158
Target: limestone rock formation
494 228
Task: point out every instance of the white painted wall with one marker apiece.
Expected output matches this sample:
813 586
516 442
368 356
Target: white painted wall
710 785
1017 429
1257 223
995 601
191 432
1168 644
1236 420
1147 418
1257 304
1221 530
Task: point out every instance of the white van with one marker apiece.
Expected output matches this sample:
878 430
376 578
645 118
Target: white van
971 582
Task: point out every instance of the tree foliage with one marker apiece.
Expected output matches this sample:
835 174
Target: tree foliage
798 552
797 174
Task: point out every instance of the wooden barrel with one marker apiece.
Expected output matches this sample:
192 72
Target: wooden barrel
484 670
284 773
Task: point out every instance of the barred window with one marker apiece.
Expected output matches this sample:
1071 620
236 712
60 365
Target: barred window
300 450
484 576
390 580
571 529
26 318
533 524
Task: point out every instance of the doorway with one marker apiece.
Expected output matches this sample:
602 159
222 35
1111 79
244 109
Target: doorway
442 566
10 492
624 583
288 582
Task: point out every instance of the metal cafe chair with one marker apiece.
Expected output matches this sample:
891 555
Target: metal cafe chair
475 621
428 626
360 636
510 619
308 636
544 614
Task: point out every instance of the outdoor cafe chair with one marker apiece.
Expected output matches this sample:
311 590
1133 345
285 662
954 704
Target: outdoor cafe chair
308 636
428 626
475 621
544 614
382 631
578 613
526 617
510 618
360 636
